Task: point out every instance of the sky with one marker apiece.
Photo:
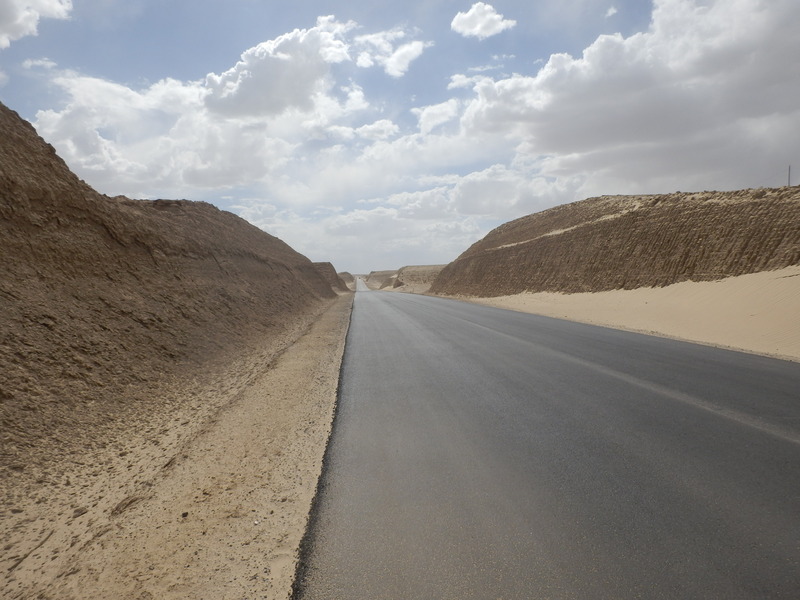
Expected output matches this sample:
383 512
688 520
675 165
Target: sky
376 134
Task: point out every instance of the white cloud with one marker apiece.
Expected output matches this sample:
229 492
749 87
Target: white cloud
612 10
399 62
381 49
407 228
379 130
460 81
19 18
3 78
287 72
657 107
480 21
39 63
704 98
431 117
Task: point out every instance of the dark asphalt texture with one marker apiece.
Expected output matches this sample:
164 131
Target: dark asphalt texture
487 454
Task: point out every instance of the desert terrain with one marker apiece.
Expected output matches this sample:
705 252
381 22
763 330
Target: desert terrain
752 313
329 274
348 279
628 242
414 279
379 280
168 373
719 268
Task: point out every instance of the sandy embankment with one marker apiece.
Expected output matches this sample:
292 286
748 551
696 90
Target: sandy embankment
223 518
757 313
378 280
161 426
416 279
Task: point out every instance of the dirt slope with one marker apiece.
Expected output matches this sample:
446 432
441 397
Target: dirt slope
106 303
416 279
628 242
349 280
378 280
328 273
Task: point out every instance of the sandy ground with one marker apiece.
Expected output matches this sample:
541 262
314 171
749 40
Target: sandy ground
218 515
757 313
416 279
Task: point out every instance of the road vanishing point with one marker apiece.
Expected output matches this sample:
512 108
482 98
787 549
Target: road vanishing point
480 453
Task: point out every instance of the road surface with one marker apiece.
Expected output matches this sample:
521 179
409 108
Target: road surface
487 454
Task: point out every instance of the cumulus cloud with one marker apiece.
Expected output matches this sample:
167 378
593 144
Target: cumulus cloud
287 72
431 117
263 122
637 112
379 130
480 21
612 10
19 18
383 49
704 98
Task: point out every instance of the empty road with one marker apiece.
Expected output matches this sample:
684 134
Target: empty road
481 453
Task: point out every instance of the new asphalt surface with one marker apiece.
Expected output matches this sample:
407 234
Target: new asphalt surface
488 454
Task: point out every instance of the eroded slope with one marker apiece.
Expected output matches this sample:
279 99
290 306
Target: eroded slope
627 242
111 310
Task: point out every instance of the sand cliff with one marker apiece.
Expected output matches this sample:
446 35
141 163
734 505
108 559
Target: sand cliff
717 268
127 327
378 280
628 242
416 279
329 274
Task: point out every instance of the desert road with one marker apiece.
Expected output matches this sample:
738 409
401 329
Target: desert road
484 454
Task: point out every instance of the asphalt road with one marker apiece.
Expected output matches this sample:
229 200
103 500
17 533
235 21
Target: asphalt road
482 453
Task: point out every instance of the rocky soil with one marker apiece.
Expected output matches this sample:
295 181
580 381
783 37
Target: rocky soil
628 242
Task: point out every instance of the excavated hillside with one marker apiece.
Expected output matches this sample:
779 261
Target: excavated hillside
104 301
378 280
348 279
416 279
329 274
627 242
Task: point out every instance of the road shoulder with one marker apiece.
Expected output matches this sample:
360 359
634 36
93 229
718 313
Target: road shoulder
225 517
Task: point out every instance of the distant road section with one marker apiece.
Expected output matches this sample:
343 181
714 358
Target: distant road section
483 454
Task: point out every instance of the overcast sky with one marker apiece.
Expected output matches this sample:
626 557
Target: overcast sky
376 133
